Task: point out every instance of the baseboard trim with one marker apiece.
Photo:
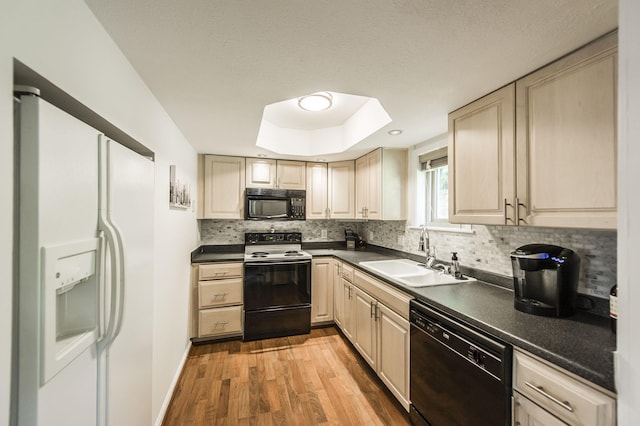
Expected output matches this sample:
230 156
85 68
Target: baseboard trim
172 387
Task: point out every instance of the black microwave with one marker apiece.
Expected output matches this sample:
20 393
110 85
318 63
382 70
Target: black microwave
274 204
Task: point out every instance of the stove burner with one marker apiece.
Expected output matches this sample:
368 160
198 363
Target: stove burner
260 253
293 253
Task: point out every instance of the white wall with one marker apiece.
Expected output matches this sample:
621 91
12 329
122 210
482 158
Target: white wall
627 373
62 41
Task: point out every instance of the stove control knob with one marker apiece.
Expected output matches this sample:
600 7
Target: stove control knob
252 238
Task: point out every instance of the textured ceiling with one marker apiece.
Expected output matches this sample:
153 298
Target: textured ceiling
215 64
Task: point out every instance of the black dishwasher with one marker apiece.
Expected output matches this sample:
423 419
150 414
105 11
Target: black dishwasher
458 375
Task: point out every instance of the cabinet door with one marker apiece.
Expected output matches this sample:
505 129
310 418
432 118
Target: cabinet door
341 190
374 203
566 140
348 298
338 295
321 290
482 160
364 325
526 413
393 353
291 175
261 173
317 191
223 183
362 186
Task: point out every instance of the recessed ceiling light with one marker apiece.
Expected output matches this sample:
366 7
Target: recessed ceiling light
395 132
262 155
316 101
321 160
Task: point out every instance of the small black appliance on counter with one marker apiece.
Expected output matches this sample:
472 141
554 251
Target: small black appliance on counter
545 279
351 238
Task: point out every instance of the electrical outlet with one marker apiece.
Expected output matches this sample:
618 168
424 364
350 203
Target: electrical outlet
370 235
323 233
400 239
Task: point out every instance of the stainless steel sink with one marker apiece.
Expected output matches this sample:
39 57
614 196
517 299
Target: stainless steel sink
412 274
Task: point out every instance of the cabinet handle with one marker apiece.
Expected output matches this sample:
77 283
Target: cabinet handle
221 295
349 292
506 218
541 391
366 212
371 309
222 323
518 205
376 310
220 273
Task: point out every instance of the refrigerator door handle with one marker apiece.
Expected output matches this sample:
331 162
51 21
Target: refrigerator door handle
114 241
120 283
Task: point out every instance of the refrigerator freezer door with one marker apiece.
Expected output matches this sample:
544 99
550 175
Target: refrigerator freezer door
58 205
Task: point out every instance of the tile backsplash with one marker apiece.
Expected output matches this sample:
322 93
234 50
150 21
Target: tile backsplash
487 248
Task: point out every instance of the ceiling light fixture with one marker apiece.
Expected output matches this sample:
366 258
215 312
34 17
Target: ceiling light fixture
318 101
395 132
261 155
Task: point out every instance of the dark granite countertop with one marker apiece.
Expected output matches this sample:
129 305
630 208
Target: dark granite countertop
582 344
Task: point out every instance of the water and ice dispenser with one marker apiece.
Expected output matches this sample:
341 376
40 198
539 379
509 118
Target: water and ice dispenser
70 288
545 279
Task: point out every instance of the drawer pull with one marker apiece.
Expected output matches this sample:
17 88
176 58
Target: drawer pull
222 323
220 295
547 395
220 273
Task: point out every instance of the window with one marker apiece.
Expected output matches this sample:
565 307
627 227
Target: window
432 196
437 196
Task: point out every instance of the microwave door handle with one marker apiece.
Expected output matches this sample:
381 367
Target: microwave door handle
275 216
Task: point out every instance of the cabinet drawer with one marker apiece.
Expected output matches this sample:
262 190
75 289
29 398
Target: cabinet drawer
216 271
220 321
219 292
566 397
347 272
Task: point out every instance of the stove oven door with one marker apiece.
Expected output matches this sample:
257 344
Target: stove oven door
277 299
270 285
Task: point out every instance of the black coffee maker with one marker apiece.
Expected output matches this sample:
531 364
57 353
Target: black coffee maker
545 279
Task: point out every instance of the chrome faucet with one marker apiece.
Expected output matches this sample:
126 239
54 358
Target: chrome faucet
441 267
424 245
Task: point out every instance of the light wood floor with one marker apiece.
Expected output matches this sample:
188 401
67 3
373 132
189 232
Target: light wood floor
315 379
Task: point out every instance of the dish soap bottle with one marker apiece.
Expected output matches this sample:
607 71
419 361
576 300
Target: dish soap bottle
613 307
455 265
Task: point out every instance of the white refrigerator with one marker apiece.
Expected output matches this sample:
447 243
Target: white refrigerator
83 303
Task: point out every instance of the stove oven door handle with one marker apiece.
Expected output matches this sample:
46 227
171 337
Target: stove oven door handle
265 263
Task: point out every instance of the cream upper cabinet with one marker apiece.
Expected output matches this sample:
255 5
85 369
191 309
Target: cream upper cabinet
557 165
221 183
321 290
291 174
482 160
261 173
282 174
566 140
381 178
341 190
317 197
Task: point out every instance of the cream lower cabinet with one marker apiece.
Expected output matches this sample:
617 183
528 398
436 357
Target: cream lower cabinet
547 395
343 297
216 300
321 290
221 183
380 331
542 150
